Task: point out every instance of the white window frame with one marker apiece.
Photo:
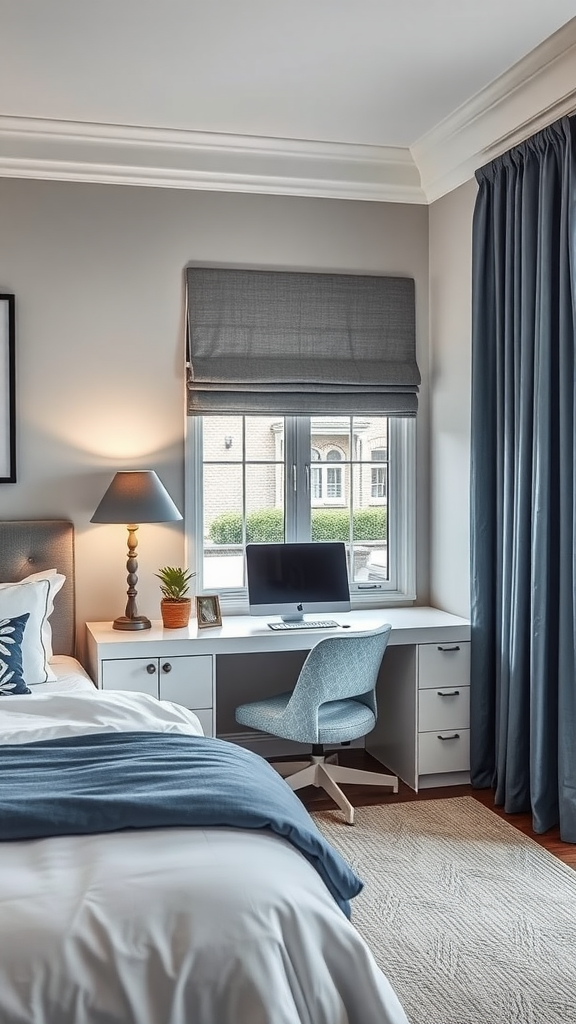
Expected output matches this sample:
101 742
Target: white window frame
399 589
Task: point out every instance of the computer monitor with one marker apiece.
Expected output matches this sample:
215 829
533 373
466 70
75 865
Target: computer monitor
291 579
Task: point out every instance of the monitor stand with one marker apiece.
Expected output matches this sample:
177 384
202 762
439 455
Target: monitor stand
293 617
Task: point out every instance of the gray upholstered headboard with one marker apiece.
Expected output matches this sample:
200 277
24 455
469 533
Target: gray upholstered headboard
28 546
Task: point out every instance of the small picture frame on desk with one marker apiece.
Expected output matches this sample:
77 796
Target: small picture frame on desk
208 611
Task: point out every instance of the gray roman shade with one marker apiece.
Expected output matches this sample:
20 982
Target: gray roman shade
263 341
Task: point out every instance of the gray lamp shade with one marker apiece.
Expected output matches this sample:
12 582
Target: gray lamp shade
137 496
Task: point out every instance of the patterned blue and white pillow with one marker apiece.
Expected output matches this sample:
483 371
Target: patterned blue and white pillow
31 596
11 636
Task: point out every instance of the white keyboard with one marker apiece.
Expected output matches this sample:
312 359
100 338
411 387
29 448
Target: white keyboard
305 624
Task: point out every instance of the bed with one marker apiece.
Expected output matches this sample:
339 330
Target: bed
213 908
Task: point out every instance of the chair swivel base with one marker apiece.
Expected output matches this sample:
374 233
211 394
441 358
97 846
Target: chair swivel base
326 775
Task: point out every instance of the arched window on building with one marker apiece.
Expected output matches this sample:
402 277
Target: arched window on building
333 476
327 487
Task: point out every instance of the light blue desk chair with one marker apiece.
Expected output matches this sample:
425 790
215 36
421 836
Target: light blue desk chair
333 701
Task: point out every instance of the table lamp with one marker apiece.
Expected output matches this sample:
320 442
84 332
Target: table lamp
135 497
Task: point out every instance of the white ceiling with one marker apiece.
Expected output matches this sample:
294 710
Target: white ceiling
354 73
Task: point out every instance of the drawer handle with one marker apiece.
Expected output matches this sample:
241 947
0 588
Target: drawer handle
445 693
167 667
455 736
455 647
151 669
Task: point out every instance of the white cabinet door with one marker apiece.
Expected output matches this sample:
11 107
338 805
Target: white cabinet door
187 680
139 674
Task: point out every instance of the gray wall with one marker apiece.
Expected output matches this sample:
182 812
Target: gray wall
450 335
97 271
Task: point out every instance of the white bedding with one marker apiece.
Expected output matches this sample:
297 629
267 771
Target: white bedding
70 676
169 926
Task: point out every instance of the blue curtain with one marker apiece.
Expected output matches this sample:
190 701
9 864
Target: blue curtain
523 470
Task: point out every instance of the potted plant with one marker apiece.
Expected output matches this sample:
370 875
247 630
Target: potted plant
175 606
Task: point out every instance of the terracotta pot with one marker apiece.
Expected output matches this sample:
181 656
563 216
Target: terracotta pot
175 614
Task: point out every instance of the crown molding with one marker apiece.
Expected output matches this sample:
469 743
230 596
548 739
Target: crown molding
170 158
533 93
536 91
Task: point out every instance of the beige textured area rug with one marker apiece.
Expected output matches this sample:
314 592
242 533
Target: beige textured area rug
471 921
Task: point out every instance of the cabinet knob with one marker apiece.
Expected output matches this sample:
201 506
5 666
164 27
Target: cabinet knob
447 650
166 667
151 668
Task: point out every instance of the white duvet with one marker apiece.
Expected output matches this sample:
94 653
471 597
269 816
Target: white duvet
169 926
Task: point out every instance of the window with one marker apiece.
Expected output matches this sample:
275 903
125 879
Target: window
379 488
326 486
286 478
333 477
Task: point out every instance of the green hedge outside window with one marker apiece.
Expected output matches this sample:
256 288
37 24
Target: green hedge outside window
266 526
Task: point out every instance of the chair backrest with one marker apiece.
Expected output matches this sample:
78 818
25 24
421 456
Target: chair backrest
341 667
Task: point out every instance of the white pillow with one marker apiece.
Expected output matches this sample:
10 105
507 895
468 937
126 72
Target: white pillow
35 598
56 580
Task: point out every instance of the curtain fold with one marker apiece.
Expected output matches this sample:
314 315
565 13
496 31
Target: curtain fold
523 516
289 342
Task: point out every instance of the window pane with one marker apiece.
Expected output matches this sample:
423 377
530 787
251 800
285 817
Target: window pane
223 527
222 438
264 438
328 426
371 438
370 531
264 504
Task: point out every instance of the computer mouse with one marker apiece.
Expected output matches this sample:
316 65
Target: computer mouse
345 625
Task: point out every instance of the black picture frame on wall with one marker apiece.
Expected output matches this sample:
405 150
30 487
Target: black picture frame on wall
7 390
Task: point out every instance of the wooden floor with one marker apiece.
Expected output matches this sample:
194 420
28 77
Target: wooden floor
317 800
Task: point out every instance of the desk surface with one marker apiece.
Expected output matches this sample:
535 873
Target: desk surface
250 634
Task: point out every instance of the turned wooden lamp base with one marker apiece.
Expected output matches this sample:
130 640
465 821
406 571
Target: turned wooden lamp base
131 619
138 622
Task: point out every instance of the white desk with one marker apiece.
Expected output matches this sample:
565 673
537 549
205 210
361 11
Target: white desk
427 661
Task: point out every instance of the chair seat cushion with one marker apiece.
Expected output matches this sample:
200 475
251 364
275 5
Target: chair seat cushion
342 720
263 714
338 720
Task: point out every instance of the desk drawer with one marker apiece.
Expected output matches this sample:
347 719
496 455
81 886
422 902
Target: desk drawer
444 708
447 750
444 666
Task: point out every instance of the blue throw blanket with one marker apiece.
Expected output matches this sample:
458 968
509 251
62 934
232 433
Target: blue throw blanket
111 781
